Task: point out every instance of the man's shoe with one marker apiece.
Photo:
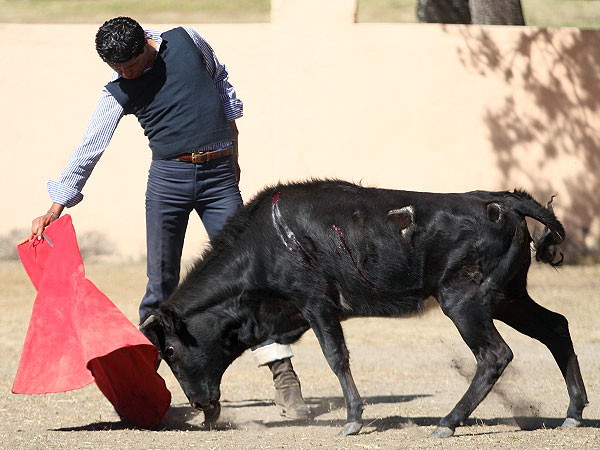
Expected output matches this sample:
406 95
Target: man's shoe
288 396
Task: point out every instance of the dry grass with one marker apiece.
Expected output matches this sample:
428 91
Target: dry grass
540 13
150 11
543 13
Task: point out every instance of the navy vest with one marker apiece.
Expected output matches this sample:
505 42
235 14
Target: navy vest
176 102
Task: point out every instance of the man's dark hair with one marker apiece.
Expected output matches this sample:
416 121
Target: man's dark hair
120 39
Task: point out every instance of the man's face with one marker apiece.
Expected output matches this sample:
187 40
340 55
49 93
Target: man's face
134 68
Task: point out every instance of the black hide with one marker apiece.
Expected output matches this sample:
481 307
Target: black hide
311 254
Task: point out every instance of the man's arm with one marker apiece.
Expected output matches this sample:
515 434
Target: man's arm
234 108
66 192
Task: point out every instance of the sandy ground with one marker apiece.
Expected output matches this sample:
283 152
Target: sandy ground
410 373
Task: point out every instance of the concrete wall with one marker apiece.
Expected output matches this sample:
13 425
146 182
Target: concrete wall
407 106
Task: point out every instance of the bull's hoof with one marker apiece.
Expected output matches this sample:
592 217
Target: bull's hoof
442 432
570 423
351 428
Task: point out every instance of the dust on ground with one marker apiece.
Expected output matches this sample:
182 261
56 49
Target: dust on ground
410 373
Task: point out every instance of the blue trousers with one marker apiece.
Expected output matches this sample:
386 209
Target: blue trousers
175 189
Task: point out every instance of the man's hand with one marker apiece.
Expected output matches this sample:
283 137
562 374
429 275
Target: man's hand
40 223
236 164
236 134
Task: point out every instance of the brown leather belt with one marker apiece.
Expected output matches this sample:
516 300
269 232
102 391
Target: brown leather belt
201 158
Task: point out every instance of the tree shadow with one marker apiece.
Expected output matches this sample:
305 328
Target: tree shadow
553 93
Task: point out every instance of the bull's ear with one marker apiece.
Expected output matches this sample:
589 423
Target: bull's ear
403 221
151 327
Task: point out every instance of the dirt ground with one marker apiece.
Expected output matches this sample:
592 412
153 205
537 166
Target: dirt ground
410 373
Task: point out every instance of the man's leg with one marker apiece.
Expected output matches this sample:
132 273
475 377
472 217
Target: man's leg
217 193
168 204
288 391
219 197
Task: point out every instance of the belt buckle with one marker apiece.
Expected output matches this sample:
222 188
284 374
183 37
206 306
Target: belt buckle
196 158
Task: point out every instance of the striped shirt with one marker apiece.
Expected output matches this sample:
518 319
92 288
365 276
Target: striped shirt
67 190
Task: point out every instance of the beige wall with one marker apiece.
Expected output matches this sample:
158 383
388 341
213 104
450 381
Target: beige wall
418 107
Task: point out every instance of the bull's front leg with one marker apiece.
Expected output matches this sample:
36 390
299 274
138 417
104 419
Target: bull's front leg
328 330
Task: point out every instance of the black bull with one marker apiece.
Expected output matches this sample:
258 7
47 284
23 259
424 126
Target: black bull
308 255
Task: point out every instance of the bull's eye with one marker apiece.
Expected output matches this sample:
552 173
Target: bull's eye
169 352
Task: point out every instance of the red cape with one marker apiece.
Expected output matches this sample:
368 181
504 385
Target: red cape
77 335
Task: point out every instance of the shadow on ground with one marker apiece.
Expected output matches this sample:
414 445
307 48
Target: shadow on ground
180 416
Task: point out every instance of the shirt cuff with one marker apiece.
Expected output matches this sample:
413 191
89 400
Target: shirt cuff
234 109
64 195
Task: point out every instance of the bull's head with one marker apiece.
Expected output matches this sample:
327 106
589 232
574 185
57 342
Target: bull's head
198 351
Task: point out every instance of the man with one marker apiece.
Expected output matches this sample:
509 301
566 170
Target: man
179 91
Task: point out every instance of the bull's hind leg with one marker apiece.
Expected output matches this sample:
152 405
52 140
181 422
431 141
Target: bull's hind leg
471 317
552 329
328 330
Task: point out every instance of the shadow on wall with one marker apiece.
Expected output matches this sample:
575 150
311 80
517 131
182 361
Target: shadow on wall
556 75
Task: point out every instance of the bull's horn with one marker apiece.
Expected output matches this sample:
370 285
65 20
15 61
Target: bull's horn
149 321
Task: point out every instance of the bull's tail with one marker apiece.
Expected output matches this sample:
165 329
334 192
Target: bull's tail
546 245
